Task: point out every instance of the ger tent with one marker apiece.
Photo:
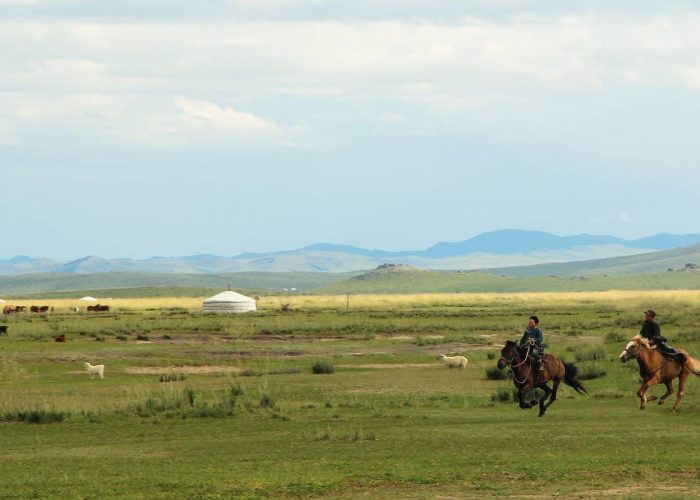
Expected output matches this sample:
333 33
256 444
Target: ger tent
228 302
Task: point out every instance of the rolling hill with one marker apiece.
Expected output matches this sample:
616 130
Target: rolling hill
496 249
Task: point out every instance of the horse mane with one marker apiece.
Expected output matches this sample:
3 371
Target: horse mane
642 341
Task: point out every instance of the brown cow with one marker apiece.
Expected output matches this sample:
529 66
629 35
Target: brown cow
60 338
9 309
21 309
43 309
34 309
103 308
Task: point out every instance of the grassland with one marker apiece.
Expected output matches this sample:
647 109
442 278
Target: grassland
221 407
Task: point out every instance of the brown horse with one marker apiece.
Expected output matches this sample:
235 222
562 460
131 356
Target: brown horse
654 369
525 377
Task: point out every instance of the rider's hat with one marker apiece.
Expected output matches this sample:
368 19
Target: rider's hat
650 312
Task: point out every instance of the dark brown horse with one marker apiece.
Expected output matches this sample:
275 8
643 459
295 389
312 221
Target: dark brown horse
525 376
654 369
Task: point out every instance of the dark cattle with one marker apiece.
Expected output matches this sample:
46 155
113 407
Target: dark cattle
60 338
98 308
3 329
43 309
21 309
34 309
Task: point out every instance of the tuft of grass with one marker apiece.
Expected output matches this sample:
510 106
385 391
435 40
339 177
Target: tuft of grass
267 401
591 355
35 416
172 377
495 374
322 367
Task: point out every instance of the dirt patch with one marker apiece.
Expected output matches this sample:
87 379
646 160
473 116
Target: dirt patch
150 370
382 366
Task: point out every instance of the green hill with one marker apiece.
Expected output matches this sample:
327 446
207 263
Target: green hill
653 262
154 284
409 280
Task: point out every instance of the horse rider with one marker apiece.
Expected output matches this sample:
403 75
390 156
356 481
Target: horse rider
533 338
652 332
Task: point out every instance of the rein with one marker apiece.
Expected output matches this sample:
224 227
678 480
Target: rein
511 365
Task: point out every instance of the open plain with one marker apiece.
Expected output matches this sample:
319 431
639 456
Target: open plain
195 406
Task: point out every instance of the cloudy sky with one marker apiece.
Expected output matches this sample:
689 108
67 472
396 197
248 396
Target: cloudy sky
141 128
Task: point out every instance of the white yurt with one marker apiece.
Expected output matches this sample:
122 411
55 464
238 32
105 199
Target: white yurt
228 303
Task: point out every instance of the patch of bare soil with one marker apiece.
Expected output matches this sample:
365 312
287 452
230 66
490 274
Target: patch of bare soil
150 370
382 366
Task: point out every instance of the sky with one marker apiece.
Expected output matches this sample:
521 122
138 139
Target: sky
143 128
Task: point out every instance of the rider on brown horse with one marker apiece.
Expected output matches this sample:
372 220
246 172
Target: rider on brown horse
534 338
652 332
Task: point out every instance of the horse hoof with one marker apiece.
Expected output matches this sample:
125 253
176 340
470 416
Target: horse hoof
541 415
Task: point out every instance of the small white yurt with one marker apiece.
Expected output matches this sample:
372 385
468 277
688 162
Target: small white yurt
88 299
228 303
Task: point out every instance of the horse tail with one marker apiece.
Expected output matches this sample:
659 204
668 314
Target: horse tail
693 364
570 373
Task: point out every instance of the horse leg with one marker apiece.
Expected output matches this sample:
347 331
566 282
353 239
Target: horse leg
553 395
547 393
642 393
669 390
521 396
681 388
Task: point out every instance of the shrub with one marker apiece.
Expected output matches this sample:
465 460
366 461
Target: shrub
141 336
591 355
490 355
321 367
35 416
614 338
495 374
172 377
504 395
267 401
591 372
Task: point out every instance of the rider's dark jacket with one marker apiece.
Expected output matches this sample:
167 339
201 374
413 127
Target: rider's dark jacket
651 331
534 334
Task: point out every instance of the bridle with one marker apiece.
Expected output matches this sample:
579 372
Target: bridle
509 363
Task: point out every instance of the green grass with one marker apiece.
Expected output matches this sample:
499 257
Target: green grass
177 417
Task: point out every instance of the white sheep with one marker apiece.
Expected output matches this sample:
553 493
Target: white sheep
454 361
95 370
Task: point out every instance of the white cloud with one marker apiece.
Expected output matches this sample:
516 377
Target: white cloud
203 114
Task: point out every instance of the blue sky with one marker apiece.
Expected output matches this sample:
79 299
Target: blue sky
133 129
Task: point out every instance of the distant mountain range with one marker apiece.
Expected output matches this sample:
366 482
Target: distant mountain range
495 249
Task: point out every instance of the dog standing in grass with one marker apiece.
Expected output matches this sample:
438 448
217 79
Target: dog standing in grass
95 370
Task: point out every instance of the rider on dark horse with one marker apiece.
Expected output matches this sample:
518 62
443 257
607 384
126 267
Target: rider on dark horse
533 338
652 332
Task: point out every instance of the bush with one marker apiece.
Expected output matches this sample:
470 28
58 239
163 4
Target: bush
495 374
267 401
490 355
614 338
35 416
142 337
321 367
172 377
590 373
504 395
591 355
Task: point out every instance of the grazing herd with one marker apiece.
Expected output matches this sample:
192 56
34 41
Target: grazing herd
13 309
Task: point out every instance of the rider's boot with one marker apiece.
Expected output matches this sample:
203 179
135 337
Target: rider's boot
680 357
539 375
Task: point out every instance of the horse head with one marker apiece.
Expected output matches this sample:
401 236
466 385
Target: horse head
633 347
509 353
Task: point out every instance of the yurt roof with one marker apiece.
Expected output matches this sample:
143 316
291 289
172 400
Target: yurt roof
228 296
87 298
